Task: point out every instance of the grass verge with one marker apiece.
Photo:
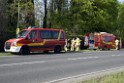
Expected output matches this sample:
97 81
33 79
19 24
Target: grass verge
5 54
115 78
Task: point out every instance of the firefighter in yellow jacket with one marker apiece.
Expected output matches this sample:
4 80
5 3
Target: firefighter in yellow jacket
117 44
73 44
77 44
65 47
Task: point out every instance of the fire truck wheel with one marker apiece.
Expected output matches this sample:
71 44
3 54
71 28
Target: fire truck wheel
109 49
57 49
94 49
24 50
45 51
99 47
104 48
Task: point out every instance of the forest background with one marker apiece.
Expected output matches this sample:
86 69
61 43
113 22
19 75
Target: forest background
76 17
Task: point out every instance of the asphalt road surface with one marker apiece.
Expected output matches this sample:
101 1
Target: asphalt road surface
49 68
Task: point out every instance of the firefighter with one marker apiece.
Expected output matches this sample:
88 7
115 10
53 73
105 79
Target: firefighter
77 44
68 45
73 44
29 27
86 41
117 44
65 47
17 31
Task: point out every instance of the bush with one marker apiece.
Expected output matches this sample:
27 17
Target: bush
5 36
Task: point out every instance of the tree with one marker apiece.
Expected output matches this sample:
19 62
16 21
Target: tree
120 22
9 15
93 15
27 13
45 14
7 22
58 10
3 14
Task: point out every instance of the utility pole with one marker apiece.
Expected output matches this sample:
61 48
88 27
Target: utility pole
18 19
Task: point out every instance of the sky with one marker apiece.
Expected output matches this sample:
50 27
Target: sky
120 0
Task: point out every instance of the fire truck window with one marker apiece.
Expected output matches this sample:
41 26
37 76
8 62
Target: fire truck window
102 38
91 36
22 34
108 39
55 34
62 36
45 34
32 35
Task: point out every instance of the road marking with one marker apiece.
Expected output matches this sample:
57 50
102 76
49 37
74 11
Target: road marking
117 55
21 63
79 58
113 55
96 51
96 57
86 74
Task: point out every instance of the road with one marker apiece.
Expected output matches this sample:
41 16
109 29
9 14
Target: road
48 68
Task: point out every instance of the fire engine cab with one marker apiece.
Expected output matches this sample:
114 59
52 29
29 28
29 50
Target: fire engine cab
36 39
102 40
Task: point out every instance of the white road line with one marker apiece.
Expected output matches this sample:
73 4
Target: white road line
113 55
96 51
96 57
21 63
79 58
117 55
86 74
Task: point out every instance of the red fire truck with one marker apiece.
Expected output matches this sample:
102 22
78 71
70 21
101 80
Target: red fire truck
37 39
102 40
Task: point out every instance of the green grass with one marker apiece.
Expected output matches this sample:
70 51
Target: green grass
5 54
116 78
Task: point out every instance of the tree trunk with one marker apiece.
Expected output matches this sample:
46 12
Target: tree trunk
45 14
